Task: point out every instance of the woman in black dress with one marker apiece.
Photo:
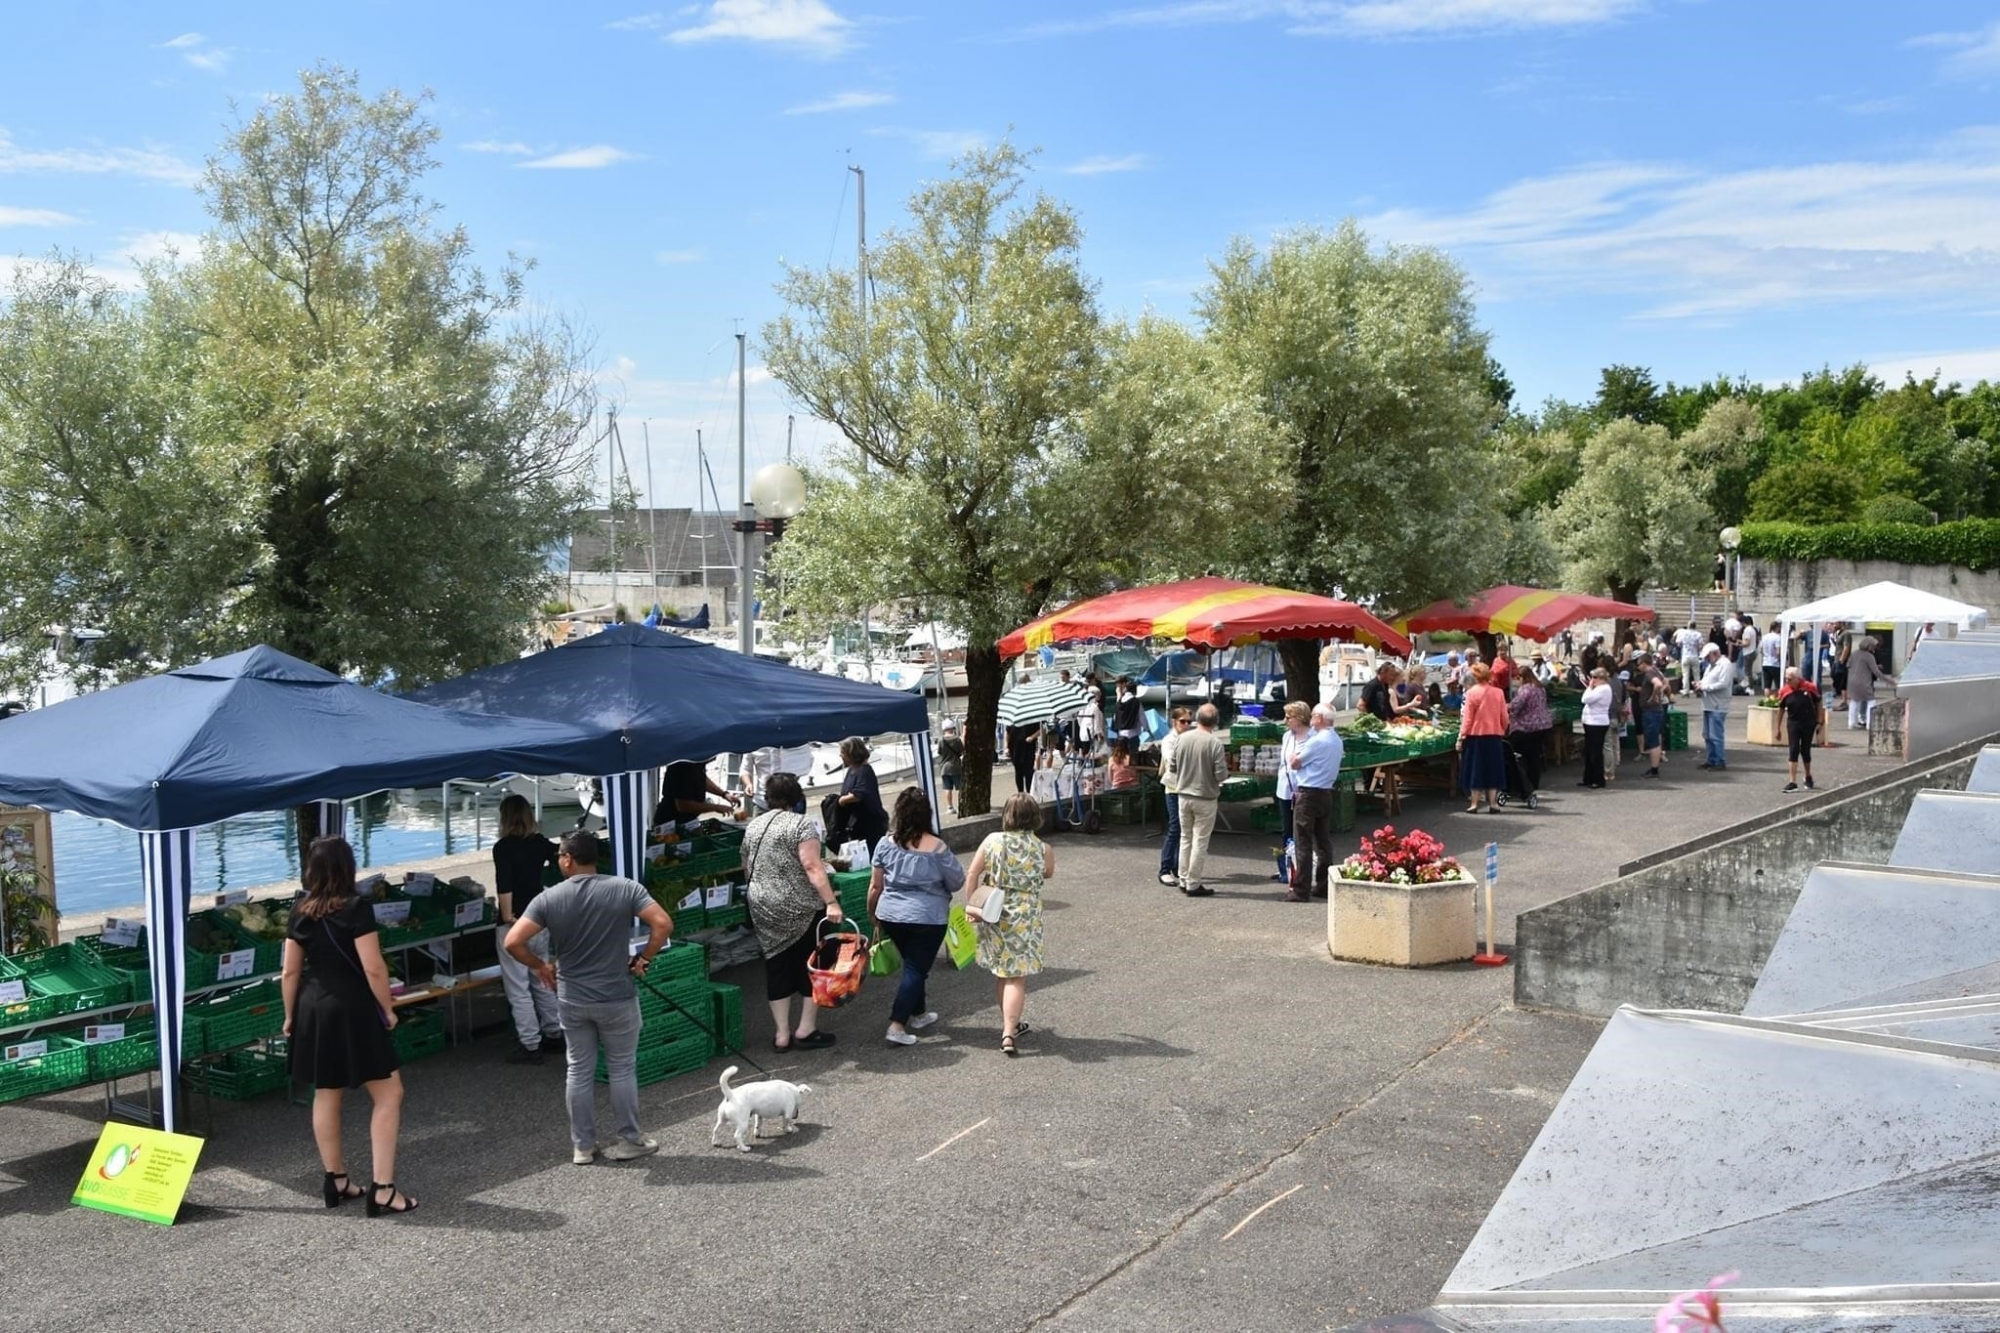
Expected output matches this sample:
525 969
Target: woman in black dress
861 794
338 1017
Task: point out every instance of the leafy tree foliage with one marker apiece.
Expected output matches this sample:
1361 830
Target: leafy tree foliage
1635 516
1806 490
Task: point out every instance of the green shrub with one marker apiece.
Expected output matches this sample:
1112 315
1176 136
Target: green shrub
1807 491
1973 543
1894 508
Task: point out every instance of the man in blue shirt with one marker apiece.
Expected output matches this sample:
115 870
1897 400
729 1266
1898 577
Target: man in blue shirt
1315 768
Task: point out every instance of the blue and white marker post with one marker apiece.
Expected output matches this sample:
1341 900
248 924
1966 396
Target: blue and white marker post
1491 957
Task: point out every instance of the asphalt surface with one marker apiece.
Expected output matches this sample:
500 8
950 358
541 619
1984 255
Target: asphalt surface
1213 1126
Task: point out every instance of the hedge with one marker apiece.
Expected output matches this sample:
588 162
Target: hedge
1972 543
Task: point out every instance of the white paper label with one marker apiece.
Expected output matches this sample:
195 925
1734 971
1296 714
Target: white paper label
371 886
27 1050
419 885
13 992
718 895
124 934
239 963
469 914
231 898
98 1033
391 914
693 898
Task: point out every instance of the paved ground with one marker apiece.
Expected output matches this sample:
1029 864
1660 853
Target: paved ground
1214 1127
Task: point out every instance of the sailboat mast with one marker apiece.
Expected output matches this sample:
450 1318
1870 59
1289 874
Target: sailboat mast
652 512
611 499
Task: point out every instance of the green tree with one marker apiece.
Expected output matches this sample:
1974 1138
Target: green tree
1725 450
1893 508
1003 450
1805 490
326 432
1635 515
1374 373
1627 392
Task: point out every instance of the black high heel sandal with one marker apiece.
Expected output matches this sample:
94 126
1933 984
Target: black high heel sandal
336 1195
378 1209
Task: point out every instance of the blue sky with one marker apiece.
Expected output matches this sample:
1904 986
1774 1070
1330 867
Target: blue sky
1694 185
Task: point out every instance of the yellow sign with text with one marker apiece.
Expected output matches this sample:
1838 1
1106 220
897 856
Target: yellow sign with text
139 1173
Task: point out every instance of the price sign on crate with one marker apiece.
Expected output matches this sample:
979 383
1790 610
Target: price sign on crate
469 914
692 899
13 992
97 1034
369 887
391 914
231 898
419 885
124 934
717 896
27 1050
238 963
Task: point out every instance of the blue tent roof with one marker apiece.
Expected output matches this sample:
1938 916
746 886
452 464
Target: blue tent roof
646 697
257 730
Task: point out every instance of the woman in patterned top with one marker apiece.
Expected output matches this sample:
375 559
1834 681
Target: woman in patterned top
1017 862
789 894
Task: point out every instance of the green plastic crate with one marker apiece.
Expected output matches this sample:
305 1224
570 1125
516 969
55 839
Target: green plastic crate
68 976
419 1032
690 993
237 1018
202 963
678 961
727 1007
132 964
62 1064
1267 818
665 1061
134 1053
722 918
666 1027
241 1075
845 881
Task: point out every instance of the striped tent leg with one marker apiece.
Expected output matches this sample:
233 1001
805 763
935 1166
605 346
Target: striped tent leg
628 808
926 774
332 819
168 861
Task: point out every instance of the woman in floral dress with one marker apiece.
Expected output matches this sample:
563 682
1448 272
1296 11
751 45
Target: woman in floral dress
1017 862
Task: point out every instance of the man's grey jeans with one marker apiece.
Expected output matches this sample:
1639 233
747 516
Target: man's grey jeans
616 1026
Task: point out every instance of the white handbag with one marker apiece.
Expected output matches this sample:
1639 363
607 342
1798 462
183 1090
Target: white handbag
988 906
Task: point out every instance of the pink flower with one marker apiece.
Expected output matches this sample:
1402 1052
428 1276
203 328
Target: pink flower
1694 1311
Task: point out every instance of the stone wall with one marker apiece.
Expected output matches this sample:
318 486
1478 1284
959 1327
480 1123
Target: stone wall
1768 587
1691 926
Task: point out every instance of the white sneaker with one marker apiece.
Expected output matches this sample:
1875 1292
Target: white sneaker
921 1021
896 1038
626 1150
583 1156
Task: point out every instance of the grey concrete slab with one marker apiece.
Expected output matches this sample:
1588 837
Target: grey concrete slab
1985 775
1950 830
1948 659
1682 1125
1858 933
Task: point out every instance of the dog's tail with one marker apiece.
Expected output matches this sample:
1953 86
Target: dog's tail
727 1074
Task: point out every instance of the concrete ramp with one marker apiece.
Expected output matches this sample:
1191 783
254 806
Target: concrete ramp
1973 1020
1950 659
1951 830
1985 775
1877 935
1842 1173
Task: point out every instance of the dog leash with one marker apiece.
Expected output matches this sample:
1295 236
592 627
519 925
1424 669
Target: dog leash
713 1035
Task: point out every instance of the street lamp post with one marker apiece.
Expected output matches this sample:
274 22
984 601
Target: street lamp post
1732 539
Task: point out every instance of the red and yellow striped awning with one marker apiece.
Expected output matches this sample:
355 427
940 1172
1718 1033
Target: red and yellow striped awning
1204 613
1530 613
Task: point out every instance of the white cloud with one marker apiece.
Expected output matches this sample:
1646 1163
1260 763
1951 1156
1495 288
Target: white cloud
1105 165
156 246
581 159
936 144
33 217
121 268
678 256
640 23
1355 18
199 52
511 147
854 101
1974 55
149 163
1965 366
1915 233
811 25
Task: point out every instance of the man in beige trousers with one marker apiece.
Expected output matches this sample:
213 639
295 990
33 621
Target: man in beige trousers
1194 773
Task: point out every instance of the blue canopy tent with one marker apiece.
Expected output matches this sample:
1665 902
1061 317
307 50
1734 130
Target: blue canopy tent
645 698
257 730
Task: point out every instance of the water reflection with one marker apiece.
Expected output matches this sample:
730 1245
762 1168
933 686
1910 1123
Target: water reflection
97 864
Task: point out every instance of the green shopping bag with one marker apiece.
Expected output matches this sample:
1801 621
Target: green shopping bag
960 940
885 959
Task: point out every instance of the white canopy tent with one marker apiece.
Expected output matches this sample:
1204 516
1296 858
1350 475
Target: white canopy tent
1877 604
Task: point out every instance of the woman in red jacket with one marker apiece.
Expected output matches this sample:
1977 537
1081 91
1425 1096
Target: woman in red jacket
1482 741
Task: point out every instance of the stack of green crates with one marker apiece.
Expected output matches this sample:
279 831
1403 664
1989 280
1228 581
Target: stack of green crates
236 1018
674 1003
1677 729
134 1053
726 1003
241 1075
420 1032
852 888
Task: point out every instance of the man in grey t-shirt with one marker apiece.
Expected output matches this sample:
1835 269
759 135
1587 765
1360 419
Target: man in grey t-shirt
589 920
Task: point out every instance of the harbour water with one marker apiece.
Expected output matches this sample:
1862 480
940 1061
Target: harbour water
97 863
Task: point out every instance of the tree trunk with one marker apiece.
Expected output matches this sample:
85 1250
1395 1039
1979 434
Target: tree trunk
307 817
985 672
1622 592
1301 659
1489 645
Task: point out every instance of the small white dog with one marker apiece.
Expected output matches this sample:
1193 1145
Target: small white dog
749 1106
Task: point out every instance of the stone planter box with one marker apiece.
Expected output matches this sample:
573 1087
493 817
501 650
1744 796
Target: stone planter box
1761 728
1403 925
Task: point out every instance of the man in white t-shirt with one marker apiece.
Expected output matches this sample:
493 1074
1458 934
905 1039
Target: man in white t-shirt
1687 643
1771 653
